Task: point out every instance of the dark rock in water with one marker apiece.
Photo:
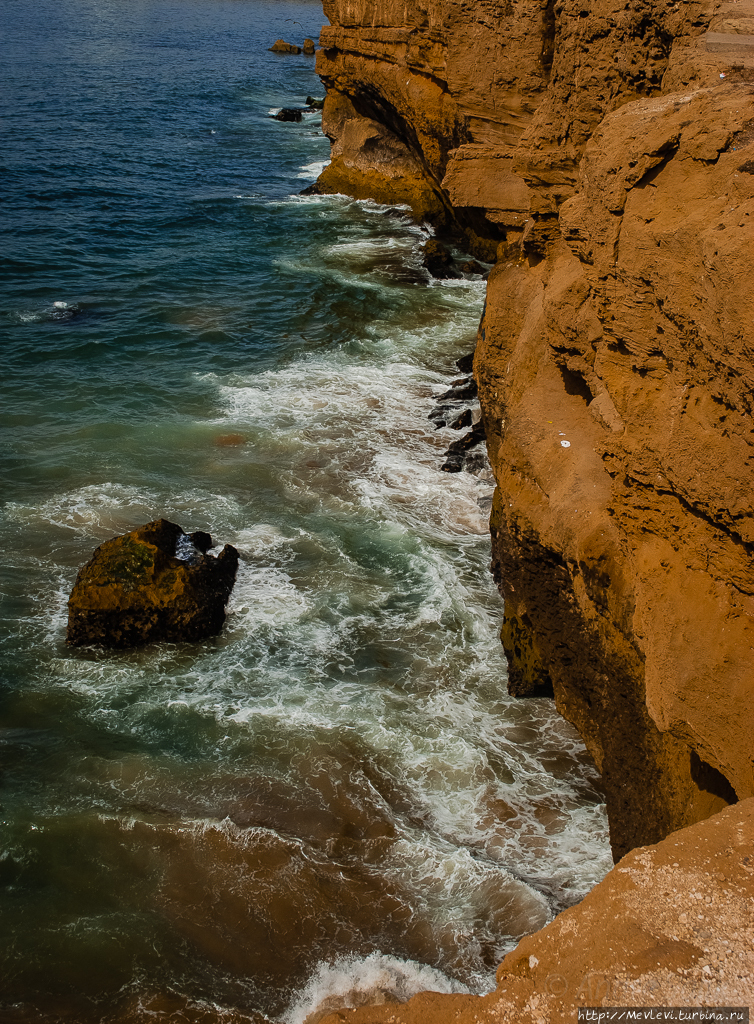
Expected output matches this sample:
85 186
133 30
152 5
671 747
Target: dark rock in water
201 541
310 190
288 114
464 420
469 440
466 363
309 47
475 462
280 46
155 583
449 411
472 267
441 414
438 260
457 456
460 394
314 104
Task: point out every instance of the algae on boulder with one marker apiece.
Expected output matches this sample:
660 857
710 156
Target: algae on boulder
155 583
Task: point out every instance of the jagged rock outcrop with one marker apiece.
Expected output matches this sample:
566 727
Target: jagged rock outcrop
671 925
154 583
604 153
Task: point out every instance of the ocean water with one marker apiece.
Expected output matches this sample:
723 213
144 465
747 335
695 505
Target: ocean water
336 795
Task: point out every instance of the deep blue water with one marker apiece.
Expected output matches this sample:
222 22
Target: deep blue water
337 791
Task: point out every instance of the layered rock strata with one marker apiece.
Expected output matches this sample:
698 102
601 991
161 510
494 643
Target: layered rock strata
604 153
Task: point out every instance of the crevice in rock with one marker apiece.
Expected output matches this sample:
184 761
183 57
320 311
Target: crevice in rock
547 54
654 172
634 482
711 780
575 384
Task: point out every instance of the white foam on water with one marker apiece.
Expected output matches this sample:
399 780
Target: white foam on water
371 247
263 596
313 170
58 310
91 509
362 630
261 539
349 982
100 511
341 204
394 469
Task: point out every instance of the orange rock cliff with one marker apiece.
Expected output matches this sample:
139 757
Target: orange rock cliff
602 155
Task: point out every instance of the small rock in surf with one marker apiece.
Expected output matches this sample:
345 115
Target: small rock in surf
438 260
280 46
466 363
473 267
288 114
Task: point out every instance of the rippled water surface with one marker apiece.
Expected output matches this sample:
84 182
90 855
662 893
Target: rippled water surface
337 791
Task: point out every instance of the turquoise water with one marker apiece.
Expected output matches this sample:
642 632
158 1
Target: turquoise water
337 790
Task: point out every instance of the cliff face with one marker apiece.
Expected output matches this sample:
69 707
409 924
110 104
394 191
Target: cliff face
604 154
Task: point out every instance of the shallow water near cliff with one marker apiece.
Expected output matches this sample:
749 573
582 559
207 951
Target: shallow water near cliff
336 792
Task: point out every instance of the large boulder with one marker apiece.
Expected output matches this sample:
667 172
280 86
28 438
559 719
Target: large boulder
155 583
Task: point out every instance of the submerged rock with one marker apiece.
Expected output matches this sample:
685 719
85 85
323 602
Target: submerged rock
314 104
155 583
280 46
229 440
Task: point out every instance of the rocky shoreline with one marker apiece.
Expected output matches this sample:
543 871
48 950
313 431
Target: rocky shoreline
602 157
672 925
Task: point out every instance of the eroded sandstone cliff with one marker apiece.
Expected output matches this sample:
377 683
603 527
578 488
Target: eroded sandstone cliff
603 154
